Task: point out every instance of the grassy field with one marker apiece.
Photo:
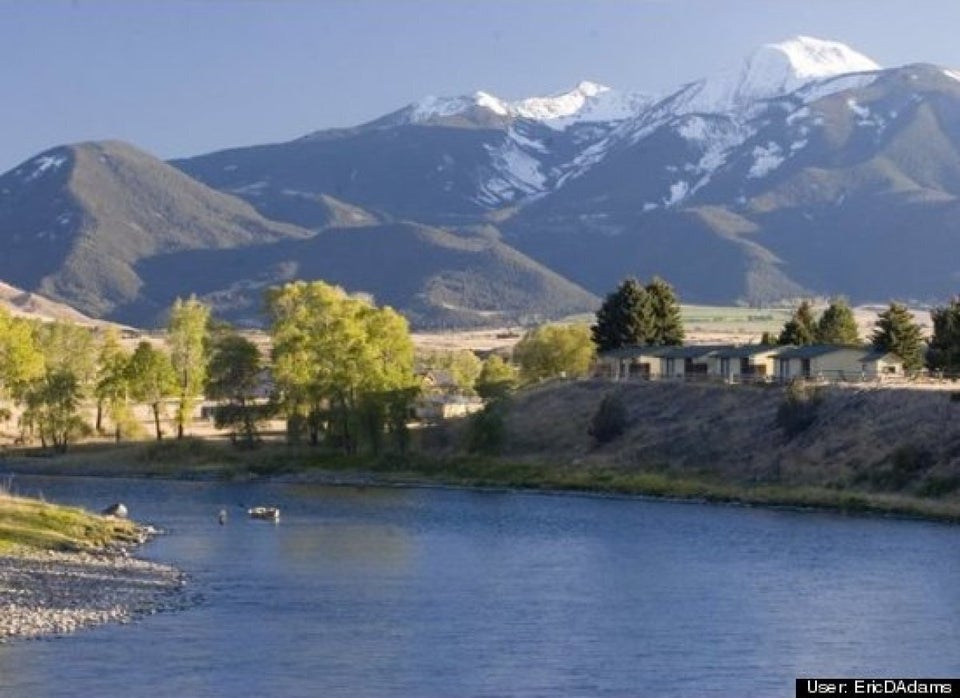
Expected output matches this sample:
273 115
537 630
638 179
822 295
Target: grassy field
33 524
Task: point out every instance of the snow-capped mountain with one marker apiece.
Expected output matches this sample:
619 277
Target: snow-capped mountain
772 71
588 102
524 164
807 169
800 123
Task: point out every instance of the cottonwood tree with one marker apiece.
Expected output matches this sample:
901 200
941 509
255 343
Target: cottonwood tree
497 378
186 335
554 350
463 366
112 388
52 409
233 377
895 331
152 380
340 363
21 360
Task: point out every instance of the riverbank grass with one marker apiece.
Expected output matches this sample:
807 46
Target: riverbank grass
30 524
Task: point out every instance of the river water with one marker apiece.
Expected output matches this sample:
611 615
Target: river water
425 592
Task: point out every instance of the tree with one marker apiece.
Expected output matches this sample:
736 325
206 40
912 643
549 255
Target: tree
944 351
152 380
338 361
186 332
667 325
21 360
625 317
837 325
610 420
896 332
52 409
497 378
636 314
801 329
233 376
463 366
554 350
112 389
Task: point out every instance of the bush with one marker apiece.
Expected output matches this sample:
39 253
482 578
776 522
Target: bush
799 409
610 420
905 465
487 431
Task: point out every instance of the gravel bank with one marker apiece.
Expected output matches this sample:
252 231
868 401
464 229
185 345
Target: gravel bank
52 593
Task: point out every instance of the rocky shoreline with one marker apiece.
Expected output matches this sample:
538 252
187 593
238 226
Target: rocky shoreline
46 594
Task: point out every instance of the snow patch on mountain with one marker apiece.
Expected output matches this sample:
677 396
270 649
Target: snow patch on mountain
587 102
516 172
765 160
43 164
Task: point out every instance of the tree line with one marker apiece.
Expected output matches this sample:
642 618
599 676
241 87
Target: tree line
339 370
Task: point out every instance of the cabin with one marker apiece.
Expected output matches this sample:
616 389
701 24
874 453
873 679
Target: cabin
630 363
878 365
689 362
836 363
437 408
743 364
748 363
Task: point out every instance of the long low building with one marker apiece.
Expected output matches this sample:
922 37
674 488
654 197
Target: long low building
749 363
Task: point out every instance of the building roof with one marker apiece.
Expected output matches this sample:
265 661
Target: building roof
690 351
878 354
812 351
745 351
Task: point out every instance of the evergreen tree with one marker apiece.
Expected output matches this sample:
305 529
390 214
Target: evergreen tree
837 325
634 314
625 317
667 325
897 332
945 343
801 329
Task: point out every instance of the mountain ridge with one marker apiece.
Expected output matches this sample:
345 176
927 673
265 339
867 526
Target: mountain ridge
809 170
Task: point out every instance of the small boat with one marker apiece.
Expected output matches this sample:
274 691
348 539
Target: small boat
264 513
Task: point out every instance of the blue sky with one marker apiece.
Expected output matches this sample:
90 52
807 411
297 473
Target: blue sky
184 77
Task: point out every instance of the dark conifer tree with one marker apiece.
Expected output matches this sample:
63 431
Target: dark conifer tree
624 318
801 329
665 311
837 325
945 343
897 332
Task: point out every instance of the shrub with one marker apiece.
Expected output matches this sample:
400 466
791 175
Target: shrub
610 420
799 409
487 431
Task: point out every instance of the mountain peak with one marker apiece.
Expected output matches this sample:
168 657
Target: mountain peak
777 69
588 101
810 58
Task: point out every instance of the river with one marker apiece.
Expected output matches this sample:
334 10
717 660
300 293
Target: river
368 592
